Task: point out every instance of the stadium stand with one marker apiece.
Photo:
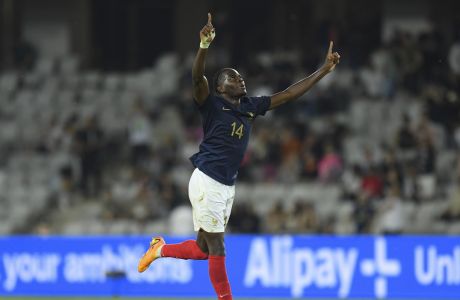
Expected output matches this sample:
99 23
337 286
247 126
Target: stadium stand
102 152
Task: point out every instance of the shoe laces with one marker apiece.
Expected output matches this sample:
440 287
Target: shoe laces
154 241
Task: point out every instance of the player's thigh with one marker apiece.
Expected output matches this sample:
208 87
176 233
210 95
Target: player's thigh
201 240
213 210
207 203
212 202
196 188
215 243
219 202
230 196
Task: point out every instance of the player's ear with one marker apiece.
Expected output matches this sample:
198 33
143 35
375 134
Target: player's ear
220 88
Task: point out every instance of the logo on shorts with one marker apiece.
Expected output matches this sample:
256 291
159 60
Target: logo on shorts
214 221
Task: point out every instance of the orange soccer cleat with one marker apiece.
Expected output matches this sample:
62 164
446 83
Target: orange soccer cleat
151 254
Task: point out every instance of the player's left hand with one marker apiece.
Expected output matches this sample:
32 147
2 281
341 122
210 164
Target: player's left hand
332 59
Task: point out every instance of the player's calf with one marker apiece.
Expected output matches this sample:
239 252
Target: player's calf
158 248
185 250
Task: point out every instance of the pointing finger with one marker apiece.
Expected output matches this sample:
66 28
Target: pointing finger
331 43
209 18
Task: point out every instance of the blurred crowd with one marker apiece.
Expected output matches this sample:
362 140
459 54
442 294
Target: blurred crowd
128 157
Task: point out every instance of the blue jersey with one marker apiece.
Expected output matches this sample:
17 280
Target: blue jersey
226 134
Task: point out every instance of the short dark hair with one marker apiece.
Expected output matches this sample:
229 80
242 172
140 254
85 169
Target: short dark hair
219 78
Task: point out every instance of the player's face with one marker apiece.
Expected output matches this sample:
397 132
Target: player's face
234 85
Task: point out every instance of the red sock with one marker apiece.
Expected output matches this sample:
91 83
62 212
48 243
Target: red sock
185 250
218 276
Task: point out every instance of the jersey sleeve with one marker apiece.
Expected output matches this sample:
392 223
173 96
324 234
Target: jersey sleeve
261 104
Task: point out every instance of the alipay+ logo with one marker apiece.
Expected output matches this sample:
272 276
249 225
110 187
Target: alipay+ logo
277 263
381 267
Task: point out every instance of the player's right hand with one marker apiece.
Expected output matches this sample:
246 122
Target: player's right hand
208 33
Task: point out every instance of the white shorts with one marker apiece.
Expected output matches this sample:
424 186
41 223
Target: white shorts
211 202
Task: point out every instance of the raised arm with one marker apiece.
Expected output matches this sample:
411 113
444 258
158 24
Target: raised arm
301 87
200 83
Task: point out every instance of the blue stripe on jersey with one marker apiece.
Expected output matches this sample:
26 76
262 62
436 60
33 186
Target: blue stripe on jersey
226 131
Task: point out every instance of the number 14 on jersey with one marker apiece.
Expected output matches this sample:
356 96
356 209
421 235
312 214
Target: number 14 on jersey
237 130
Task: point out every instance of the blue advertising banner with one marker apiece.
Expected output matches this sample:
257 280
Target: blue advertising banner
258 265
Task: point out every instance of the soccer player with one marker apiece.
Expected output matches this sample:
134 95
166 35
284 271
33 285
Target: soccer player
227 116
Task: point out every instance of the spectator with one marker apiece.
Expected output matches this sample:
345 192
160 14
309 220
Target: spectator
373 81
363 213
330 166
289 170
244 219
180 220
452 213
89 147
426 166
290 143
351 182
302 218
371 183
405 137
140 135
275 222
392 216
310 168
454 57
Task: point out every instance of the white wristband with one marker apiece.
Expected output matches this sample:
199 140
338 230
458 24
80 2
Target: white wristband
204 45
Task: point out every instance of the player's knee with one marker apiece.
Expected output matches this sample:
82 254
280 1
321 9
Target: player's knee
217 251
216 246
213 242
